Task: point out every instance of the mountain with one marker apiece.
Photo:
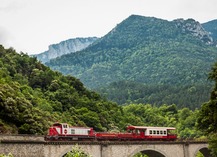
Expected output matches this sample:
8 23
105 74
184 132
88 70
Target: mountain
65 47
33 97
211 27
150 51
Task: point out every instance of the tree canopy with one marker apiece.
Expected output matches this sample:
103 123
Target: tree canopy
32 97
207 119
172 55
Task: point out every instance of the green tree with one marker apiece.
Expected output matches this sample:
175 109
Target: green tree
213 144
32 97
9 155
140 155
199 154
207 120
76 152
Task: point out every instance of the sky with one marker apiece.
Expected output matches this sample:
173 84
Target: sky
30 26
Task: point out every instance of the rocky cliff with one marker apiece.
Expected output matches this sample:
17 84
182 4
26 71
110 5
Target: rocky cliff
195 28
65 47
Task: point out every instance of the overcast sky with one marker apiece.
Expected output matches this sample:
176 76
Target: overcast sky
31 26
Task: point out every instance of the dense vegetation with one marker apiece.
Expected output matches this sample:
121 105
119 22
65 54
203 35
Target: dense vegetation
32 96
166 115
76 152
127 92
9 155
169 55
207 118
211 27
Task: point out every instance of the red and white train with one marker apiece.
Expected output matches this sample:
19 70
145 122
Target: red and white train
62 131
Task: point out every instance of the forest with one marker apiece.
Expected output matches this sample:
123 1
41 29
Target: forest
128 92
163 57
32 97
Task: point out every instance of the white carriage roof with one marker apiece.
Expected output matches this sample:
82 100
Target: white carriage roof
151 127
77 127
80 127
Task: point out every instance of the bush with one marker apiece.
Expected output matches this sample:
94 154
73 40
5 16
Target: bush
77 152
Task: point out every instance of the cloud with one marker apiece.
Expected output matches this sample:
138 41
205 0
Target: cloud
9 6
32 25
5 37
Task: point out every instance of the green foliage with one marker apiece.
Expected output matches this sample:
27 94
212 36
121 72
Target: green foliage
213 144
211 27
127 92
207 118
162 56
199 154
166 115
76 152
32 97
140 155
29 105
9 155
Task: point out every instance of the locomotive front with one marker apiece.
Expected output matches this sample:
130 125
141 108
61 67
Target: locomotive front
62 131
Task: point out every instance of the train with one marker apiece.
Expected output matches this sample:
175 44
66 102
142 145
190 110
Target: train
62 131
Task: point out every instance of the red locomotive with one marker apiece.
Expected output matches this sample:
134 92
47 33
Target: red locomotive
62 131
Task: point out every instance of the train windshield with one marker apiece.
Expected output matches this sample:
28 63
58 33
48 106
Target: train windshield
57 124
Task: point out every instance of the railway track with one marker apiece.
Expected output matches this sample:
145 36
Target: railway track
99 142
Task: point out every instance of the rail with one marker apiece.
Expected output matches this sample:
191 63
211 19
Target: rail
100 142
39 139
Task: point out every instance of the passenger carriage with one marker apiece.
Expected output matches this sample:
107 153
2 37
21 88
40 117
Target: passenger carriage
152 133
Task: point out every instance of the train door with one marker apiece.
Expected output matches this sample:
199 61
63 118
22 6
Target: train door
65 129
139 133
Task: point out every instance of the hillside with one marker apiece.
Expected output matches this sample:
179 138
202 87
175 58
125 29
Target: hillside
65 47
32 97
128 92
211 27
150 51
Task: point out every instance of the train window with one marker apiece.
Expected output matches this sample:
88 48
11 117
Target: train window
137 131
165 132
161 132
154 131
59 125
150 131
72 131
158 132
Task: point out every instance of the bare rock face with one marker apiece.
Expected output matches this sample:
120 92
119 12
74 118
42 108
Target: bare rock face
65 47
195 28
